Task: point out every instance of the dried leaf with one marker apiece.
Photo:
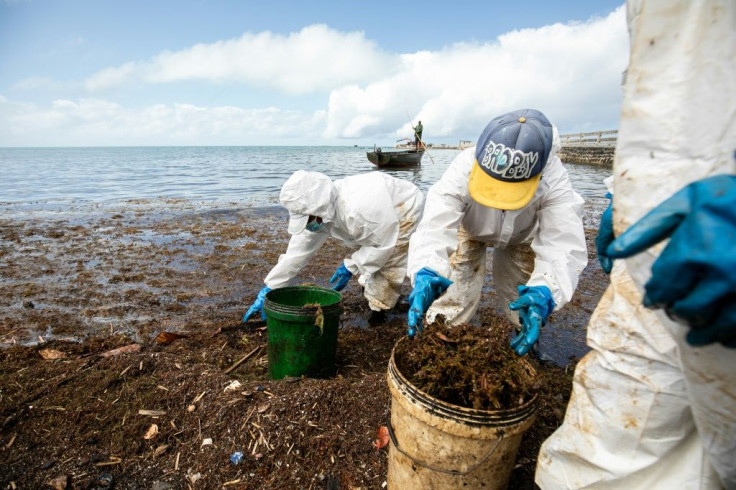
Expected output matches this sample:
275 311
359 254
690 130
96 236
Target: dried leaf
160 450
51 354
382 438
445 338
151 432
168 337
122 350
61 482
263 408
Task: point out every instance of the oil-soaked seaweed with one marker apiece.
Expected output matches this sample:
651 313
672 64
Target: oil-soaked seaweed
468 366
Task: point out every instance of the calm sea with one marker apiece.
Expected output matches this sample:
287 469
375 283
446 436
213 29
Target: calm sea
251 176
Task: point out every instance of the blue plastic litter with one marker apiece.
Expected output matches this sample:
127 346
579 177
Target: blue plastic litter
236 457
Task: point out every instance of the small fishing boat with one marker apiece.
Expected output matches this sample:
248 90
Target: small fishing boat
395 158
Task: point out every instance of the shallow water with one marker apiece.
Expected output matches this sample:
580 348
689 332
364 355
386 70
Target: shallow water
250 176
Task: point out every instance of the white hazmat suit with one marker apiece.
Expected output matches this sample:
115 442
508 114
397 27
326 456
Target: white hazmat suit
374 212
541 244
649 410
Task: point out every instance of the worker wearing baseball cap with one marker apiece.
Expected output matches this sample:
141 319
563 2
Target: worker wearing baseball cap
511 193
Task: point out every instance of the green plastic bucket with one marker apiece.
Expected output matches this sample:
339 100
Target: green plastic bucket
302 340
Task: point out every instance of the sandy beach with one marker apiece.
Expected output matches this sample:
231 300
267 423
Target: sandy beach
80 282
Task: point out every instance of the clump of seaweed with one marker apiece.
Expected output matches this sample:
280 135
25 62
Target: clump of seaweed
469 366
319 317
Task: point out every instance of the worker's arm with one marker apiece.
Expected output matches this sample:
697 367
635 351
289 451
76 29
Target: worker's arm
694 277
435 240
436 236
302 247
559 244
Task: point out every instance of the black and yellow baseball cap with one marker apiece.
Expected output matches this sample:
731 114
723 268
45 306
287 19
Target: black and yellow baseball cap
510 155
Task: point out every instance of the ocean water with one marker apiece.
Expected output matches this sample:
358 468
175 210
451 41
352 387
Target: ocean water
248 176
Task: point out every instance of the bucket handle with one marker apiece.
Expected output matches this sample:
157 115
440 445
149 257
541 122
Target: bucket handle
429 466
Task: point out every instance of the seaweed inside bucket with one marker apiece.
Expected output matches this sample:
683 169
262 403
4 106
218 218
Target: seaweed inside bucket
469 366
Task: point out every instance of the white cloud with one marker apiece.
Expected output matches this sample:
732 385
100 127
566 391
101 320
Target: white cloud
94 122
571 72
112 77
314 59
32 84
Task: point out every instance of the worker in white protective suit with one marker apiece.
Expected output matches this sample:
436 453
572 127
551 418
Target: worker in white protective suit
374 212
510 192
654 403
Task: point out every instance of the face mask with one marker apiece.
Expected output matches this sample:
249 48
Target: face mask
314 227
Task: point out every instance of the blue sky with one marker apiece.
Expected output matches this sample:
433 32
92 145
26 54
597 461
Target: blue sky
88 73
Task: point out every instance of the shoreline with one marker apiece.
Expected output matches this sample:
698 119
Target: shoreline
100 251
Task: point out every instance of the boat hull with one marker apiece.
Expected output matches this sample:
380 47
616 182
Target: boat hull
405 158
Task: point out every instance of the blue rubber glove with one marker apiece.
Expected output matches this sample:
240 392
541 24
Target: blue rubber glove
534 305
428 286
694 278
257 305
342 275
605 237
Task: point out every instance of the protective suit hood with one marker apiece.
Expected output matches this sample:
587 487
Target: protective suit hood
308 193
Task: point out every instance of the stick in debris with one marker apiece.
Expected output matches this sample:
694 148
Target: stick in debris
245 358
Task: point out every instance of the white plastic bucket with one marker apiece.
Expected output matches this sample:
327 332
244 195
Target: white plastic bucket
438 445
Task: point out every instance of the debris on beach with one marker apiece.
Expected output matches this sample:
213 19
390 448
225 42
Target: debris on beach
110 285
168 337
151 432
126 349
51 354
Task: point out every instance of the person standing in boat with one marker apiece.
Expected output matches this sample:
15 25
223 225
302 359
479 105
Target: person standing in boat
510 192
418 135
374 212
